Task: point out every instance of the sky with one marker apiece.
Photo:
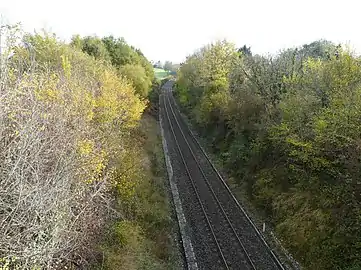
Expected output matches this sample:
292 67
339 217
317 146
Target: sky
171 30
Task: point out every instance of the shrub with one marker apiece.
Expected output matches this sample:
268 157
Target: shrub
60 111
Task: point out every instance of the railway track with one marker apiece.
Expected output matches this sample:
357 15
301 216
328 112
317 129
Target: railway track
228 238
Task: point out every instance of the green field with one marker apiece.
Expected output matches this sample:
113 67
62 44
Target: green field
160 73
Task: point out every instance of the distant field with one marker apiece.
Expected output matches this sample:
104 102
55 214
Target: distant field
160 73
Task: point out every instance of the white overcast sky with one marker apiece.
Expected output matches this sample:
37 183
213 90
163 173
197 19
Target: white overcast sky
170 30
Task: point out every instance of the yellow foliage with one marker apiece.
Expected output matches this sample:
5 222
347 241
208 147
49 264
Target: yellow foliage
93 161
85 147
8 263
46 90
298 143
74 111
91 95
114 102
66 65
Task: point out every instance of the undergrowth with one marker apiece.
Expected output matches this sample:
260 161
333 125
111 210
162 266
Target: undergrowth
142 238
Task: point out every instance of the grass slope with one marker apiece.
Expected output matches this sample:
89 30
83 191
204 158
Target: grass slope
160 73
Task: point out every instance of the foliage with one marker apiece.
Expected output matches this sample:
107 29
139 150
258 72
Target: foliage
141 238
287 127
122 54
245 50
168 65
138 76
93 46
129 61
60 110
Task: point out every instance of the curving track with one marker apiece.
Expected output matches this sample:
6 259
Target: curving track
223 236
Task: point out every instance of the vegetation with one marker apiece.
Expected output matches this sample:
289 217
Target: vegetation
130 62
168 66
168 69
287 128
160 73
172 68
137 74
142 240
75 165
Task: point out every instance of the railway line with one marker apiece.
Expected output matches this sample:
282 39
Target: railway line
223 235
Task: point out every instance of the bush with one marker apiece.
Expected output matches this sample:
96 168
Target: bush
60 111
140 238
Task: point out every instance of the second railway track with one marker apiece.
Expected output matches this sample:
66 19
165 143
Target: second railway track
229 239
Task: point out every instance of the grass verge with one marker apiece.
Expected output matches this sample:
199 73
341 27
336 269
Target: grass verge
143 236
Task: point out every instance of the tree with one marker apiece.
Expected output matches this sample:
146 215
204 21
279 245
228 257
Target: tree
168 66
139 78
245 50
93 46
122 54
129 61
158 64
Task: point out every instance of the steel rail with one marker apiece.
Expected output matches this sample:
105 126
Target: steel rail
212 191
193 185
273 255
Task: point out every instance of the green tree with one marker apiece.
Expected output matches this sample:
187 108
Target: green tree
92 46
168 66
137 74
245 50
128 60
